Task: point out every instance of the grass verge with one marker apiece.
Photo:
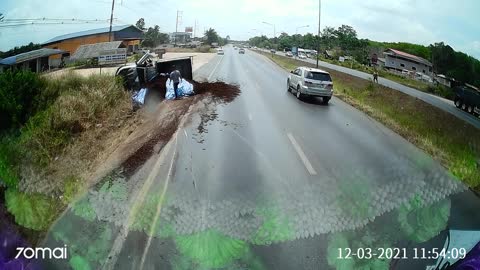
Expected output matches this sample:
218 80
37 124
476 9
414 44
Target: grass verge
439 90
453 142
42 162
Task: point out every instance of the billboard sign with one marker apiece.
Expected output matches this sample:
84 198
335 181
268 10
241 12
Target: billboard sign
110 57
189 29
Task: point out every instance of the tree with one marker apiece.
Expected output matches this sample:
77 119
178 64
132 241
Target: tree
17 50
285 41
141 24
153 37
309 41
211 36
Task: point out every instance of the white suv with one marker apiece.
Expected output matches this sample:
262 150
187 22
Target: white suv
307 81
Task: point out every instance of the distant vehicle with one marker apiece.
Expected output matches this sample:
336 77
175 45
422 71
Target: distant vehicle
302 56
289 54
406 72
235 47
220 52
273 51
468 99
310 82
241 51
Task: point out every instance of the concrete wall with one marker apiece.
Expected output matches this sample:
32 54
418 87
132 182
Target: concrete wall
400 64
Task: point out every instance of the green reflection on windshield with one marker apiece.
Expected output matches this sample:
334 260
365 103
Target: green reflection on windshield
211 249
421 223
275 227
355 196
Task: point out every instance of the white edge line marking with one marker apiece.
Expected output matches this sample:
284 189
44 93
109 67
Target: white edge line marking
185 132
215 68
302 155
159 206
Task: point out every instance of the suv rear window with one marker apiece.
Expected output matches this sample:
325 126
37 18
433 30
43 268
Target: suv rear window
318 76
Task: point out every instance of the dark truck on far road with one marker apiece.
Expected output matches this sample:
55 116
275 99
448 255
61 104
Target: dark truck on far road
468 99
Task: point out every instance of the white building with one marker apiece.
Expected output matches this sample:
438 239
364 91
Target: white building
180 37
398 60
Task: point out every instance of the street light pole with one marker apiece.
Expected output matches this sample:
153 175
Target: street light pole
296 33
319 16
274 32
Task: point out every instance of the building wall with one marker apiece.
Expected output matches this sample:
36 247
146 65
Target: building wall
131 45
71 45
400 64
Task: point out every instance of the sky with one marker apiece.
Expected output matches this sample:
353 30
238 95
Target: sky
422 22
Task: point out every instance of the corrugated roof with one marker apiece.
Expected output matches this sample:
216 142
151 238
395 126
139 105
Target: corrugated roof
93 50
410 56
87 33
23 57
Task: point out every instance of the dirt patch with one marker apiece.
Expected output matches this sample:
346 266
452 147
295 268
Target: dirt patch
220 91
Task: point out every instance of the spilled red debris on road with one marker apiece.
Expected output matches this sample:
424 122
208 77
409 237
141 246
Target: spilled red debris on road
169 118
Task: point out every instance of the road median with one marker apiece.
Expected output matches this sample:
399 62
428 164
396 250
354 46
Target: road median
449 140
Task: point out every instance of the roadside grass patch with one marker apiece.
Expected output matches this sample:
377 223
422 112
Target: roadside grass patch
42 161
451 141
439 90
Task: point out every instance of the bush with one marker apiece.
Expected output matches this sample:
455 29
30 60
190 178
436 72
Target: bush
9 161
203 49
33 211
441 91
18 92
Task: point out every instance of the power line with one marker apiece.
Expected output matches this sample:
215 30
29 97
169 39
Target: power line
6 25
51 19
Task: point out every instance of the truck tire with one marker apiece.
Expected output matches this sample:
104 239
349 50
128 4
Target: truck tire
464 107
289 89
470 109
458 103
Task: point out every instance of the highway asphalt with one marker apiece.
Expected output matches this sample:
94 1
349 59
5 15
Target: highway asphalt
436 101
272 182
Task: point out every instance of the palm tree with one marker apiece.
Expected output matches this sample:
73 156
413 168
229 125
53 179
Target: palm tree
211 36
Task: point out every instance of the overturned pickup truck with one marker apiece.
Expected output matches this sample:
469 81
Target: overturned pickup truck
148 75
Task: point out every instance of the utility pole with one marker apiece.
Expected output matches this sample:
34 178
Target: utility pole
195 29
319 16
176 30
111 21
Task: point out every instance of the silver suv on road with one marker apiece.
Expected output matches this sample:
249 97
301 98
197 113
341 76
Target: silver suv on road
307 81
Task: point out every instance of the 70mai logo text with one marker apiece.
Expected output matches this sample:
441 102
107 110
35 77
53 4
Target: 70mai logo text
42 253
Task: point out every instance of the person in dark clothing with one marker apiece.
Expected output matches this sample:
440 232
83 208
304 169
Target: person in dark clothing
375 76
176 77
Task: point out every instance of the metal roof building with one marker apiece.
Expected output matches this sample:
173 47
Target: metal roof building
129 35
93 50
398 60
36 60
88 33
